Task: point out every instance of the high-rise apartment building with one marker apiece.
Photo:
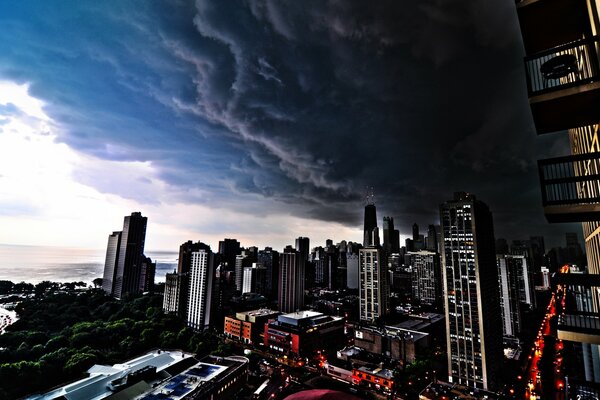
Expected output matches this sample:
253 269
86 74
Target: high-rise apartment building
374 301
255 279
110 264
470 293
562 67
177 284
291 281
372 271
200 287
126 269
508 276
426 277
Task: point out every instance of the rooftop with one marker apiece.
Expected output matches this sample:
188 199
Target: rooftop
249 315
378 371
156 375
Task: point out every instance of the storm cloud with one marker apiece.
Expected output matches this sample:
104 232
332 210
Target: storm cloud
294 107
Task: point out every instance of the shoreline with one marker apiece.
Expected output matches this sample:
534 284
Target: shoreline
7 318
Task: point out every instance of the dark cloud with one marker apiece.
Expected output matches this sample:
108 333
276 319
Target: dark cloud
299 104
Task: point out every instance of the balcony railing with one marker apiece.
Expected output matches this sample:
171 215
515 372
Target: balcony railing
564 66
571 185
580 322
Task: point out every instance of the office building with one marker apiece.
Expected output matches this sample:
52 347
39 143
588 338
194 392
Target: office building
291 281
470 292
202 270
426 277
371 231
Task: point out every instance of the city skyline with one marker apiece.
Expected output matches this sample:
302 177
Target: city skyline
211 129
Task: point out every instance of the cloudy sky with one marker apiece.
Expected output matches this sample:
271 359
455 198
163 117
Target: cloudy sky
262 120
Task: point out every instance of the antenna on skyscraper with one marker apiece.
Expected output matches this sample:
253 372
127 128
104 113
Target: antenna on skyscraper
370 196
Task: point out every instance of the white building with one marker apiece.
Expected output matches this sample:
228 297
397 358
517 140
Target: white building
373 284
201 281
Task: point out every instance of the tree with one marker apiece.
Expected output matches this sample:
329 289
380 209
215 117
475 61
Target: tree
97 282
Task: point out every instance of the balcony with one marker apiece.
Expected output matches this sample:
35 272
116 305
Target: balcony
578 320
571 187
564 85
580 327
549 23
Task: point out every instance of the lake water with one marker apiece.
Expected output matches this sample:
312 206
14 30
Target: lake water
63 264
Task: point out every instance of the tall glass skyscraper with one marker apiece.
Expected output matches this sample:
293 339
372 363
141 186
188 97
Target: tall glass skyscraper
126 269
131 255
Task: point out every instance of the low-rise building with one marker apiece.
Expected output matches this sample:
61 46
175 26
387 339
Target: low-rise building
396 343
303 333
338 369
159 375
374 377
249 326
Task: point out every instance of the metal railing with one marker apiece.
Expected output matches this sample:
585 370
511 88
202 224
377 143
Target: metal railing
580 322
570 180
564 66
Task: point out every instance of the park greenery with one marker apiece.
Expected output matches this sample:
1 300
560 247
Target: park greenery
61 333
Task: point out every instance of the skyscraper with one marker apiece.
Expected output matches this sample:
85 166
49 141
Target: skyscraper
291 281
373 287
470 292
371 232
426 280
432 242
508 275
180 280
126 265
303 248
374 302
391 237
201 284
270 259
110 264
228 249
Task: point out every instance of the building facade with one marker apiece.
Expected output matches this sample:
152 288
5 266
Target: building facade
426 277
470 278
200 288
291 281
303 333
110 264
374 296
508 276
